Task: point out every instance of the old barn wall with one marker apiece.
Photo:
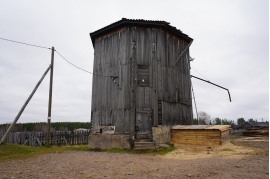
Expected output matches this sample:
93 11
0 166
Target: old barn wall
110 98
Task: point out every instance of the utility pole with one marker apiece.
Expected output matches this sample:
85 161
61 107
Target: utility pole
50 100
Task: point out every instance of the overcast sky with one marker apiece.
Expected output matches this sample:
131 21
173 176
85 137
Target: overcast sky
230 47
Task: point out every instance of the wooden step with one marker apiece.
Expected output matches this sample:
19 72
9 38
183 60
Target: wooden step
144 145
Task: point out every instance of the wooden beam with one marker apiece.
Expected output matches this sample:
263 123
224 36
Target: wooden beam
23 107
183 52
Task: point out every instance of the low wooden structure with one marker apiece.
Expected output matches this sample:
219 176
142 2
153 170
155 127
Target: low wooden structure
200 134
255 125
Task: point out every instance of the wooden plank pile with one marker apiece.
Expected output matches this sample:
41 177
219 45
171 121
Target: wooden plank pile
200 134
256 132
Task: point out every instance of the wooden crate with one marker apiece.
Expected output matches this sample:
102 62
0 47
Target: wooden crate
200 134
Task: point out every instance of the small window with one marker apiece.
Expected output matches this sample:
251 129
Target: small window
143 75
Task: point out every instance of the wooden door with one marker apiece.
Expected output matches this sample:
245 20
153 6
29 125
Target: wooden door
143 123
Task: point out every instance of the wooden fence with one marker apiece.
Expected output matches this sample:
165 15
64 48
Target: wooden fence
39 138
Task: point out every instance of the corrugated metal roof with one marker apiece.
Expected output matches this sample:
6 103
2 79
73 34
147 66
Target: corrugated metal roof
206 127
140 23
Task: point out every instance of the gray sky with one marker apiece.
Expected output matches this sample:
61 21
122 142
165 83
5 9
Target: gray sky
231 48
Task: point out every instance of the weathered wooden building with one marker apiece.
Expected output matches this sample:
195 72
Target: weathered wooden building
139 81
255 125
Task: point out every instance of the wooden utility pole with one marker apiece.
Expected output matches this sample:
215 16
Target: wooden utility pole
50 100
23 107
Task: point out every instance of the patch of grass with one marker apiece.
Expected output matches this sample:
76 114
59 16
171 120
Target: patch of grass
13 151
77 147
227 150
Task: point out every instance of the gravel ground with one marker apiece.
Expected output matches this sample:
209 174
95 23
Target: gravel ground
229 161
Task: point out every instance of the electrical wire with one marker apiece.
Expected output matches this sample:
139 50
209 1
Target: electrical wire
200 73
79 67
24 43
72 63
194 99
38 46
33 45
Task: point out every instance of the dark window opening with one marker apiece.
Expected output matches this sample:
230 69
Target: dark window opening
143 75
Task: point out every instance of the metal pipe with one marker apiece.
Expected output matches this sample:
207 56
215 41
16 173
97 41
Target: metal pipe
213 84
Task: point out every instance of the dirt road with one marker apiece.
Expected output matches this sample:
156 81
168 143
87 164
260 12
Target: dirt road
242 159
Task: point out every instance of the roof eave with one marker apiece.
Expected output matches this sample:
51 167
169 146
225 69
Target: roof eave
125 22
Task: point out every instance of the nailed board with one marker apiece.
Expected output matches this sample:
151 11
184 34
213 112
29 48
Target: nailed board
200 134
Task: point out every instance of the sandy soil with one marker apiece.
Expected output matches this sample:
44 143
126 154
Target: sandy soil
243 158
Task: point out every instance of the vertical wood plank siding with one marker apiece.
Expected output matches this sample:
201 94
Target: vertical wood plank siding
155 49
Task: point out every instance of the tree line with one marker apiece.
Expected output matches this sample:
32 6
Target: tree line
205 119
42 126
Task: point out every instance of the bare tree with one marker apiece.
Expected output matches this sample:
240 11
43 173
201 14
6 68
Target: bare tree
204 118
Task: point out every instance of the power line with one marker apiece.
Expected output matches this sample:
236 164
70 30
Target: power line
24 43
73 64
80 67
38 46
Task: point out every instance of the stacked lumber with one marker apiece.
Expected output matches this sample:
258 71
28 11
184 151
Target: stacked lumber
256 132
200 134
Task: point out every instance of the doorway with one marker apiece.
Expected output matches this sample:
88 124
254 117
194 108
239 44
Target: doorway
143 126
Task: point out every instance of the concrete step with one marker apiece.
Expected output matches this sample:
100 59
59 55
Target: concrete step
144 145
143 140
